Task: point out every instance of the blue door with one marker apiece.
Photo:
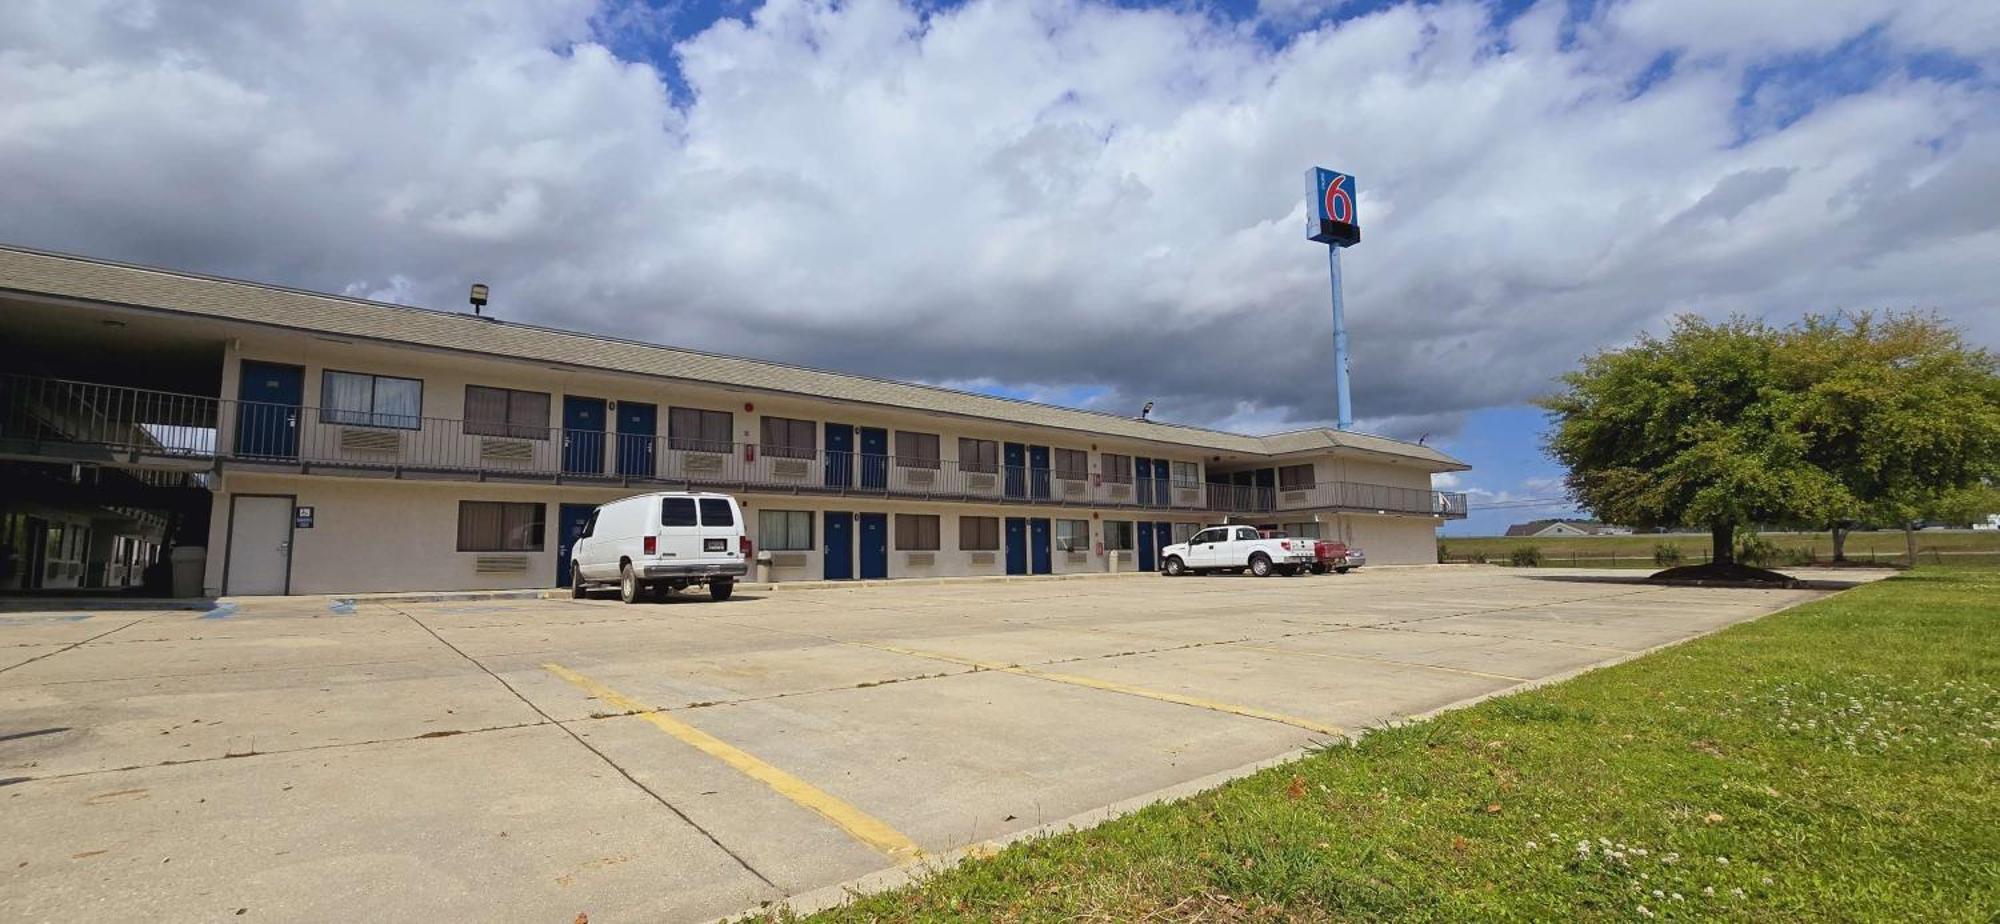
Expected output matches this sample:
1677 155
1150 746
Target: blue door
583 435
638 430
1038 545
1163 494
839 455
1017 545
1014 458
1143 469
267 419
874 545
1146 547
874 458
839 550
1038 471
569 525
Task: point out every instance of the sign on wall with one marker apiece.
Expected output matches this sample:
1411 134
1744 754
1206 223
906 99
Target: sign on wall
1330 213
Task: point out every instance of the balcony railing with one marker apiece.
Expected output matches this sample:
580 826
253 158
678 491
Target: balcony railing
49 413
1339 495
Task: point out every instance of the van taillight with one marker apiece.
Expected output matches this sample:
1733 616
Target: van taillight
652 545
743 545
1285 544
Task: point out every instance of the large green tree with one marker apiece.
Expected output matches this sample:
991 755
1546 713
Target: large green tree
1722 425
1900 410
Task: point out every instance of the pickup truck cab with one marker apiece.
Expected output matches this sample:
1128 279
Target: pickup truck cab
662 542
1236 548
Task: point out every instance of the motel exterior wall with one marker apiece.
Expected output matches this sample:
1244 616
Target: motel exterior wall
383 534
386 498
373 535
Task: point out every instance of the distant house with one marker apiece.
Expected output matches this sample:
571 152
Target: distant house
1555 529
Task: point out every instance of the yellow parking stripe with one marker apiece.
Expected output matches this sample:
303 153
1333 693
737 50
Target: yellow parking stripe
858 824
1112 686
1348 657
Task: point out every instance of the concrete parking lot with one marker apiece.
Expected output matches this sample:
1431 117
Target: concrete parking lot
532 759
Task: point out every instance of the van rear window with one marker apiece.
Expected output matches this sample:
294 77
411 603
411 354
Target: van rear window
677 511
715 512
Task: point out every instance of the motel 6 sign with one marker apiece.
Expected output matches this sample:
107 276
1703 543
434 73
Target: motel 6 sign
1330 213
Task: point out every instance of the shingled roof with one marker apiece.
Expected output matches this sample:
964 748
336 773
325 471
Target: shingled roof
48 274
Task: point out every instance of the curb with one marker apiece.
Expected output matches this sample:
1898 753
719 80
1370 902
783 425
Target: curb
826 897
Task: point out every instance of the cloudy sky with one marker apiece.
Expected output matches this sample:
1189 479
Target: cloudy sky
1089 203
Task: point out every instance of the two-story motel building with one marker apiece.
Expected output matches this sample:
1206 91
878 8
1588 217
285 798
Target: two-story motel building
313 443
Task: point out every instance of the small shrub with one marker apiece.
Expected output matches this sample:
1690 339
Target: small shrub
1756 551
1526 556
1666 555
1444 552
1796 557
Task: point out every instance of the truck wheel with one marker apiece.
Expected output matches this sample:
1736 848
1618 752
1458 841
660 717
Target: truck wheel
1260 565
576 586
1175 567
1342 570
1319 567
628 584
720 590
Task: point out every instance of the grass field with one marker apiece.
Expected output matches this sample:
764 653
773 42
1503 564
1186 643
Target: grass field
1831 762
1887 546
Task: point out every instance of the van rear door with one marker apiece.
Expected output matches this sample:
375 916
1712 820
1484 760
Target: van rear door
719 528
679 530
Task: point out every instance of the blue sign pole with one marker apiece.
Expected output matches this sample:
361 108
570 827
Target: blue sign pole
1333 220
1346 419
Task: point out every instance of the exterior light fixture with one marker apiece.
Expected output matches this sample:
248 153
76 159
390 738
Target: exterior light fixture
478 298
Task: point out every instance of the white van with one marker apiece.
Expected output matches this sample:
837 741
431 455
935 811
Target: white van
662 542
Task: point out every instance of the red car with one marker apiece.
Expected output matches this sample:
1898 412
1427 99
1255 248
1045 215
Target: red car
1336 557
1327 554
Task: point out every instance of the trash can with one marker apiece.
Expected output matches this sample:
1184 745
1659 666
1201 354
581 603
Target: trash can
763 566
189 561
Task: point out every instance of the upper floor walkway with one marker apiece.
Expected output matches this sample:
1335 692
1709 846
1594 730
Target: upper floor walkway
49 418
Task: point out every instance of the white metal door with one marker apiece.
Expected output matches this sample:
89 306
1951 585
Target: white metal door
679 529
260 545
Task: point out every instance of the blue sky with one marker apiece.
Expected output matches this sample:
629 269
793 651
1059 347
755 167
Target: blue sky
1087 203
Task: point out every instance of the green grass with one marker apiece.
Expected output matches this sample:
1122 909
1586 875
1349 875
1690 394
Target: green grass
1833 762
1887 546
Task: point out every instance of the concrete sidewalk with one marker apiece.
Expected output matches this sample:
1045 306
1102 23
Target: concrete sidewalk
536 758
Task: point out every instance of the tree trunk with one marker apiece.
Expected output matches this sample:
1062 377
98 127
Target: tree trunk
1723 537
1910 541
1840 543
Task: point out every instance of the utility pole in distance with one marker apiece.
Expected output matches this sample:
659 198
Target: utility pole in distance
1331 220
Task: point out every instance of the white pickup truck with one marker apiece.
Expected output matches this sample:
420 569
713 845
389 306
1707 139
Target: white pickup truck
1236 548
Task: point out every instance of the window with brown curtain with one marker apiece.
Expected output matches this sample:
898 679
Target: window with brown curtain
790 439
1295 477
696 430
1117 468
499 526
978 534
1072 464
917 450
916 532
506 412
978 455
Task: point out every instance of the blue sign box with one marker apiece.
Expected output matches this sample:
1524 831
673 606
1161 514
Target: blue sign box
1331 217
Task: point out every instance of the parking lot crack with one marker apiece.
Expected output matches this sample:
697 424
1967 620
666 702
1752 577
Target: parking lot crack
75 645
606 758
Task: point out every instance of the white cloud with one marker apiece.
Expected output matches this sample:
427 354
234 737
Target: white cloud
1054 197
